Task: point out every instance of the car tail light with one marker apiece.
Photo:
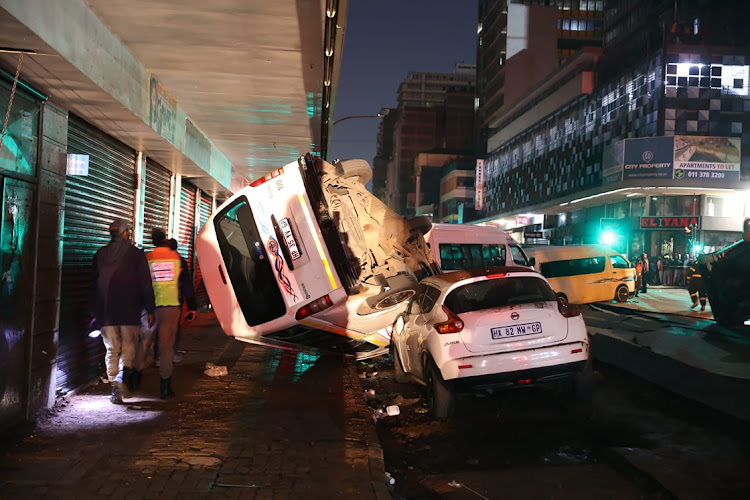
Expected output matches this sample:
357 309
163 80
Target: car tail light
453 325
525 381
567 309
313 307
267 177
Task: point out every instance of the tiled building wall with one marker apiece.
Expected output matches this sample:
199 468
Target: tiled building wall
563 154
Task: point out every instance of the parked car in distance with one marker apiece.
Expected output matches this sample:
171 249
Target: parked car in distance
466 246
582 274
495 328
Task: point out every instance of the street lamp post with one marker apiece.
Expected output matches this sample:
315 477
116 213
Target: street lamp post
383 112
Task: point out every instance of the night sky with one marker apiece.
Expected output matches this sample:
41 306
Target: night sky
384 41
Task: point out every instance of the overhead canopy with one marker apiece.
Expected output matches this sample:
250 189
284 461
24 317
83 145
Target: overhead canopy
242 82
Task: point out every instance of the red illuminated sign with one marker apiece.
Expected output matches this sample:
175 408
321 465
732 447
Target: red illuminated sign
669 222
522 220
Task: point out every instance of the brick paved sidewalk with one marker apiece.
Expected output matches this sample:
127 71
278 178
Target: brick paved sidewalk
280 425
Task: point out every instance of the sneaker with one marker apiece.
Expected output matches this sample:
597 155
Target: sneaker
177 357
703 308
116 397
695 304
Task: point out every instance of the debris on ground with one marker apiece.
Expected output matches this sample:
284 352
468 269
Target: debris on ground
215 371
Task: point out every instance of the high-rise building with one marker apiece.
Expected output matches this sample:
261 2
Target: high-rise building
642 145
435 110
510 61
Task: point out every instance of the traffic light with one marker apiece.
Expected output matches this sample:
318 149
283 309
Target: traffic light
608 237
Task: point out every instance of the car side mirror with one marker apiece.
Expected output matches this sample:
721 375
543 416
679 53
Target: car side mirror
532 261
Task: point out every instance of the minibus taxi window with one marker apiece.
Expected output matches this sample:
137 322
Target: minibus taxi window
519 257
618 262
469 255
572 267
251 275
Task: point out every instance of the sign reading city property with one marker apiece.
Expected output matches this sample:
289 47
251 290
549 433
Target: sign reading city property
670 222
707 158
479 185
648 158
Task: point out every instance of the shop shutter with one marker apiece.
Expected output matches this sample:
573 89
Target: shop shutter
156 201
91 203
204 212
186 226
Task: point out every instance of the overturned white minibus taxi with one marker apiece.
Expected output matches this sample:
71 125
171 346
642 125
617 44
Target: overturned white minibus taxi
308 247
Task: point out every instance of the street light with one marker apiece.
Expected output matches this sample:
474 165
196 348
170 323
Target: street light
383 112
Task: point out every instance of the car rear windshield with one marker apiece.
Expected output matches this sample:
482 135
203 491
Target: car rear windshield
498 292
245 259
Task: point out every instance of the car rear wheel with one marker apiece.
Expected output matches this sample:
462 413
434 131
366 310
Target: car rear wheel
398 369
622 293
440 399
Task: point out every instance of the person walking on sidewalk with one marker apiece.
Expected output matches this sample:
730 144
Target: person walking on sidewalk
695 286
646 274
122 289
167 272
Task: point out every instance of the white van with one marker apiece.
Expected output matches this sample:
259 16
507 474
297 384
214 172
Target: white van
581 274
466 246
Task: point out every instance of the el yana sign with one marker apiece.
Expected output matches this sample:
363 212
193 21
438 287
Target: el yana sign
669 222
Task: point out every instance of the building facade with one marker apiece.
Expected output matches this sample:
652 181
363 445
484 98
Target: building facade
435 110
651 156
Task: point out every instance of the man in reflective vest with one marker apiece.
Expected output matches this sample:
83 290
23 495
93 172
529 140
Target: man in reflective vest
166 273
695 286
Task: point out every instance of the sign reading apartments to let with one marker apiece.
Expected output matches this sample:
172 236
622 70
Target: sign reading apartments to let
683 158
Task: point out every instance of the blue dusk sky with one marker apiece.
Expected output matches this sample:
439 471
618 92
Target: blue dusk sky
384 41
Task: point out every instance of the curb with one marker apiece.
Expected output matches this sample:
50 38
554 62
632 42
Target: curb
715 391
365 428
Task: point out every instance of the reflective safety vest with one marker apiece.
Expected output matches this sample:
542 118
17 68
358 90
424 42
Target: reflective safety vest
165 267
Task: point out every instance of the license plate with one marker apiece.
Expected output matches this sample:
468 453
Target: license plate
291 244
504 332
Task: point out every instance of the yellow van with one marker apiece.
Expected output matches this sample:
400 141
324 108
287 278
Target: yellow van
581 274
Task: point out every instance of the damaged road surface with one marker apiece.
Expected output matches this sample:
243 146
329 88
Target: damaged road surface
639 442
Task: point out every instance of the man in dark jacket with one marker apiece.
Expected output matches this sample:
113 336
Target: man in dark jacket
122 285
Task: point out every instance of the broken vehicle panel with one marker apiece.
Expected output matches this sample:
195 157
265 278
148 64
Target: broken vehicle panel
308 245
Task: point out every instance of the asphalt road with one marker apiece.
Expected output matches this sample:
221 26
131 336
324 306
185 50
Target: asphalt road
642 441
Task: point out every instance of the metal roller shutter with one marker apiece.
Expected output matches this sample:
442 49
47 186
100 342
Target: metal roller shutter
91 203
204 212
156 206
186 226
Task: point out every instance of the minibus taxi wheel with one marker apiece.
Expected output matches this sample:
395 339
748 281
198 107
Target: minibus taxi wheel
420 223
356 168
622 293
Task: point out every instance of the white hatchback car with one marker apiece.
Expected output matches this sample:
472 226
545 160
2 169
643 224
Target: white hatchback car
485 328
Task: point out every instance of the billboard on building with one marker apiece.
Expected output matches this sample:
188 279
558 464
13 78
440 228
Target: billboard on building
648 158
707 158
682 158
479 185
